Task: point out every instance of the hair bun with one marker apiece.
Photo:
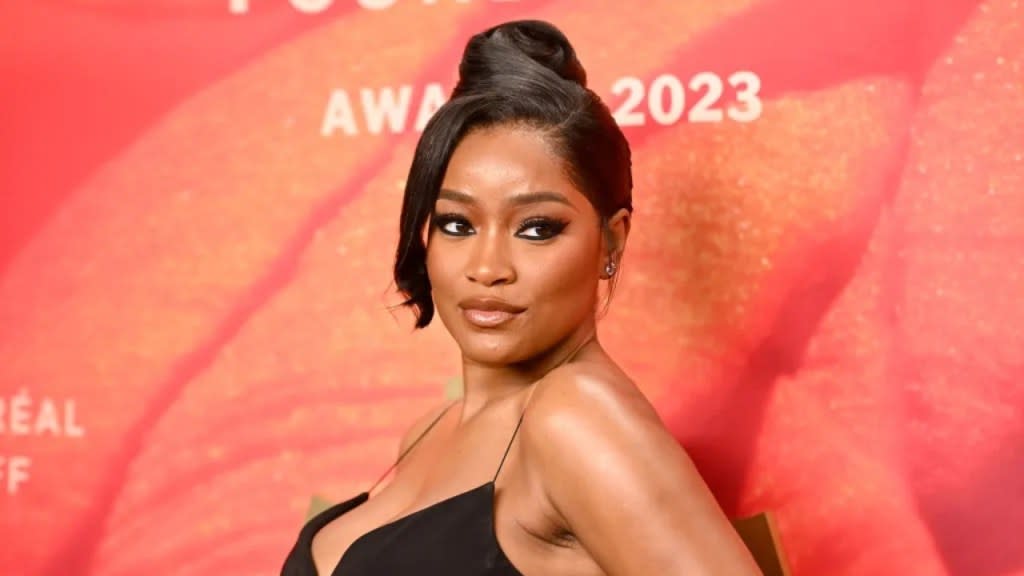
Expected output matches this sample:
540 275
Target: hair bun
515 47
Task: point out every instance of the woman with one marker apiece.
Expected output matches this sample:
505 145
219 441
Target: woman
517 208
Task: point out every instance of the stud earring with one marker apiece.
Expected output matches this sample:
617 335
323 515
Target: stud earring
609 268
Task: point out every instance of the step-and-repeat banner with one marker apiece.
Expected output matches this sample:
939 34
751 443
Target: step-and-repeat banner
823 294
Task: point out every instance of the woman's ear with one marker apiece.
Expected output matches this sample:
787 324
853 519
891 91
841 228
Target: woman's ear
617 232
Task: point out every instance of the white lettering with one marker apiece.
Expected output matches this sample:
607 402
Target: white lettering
71 427
46 419
748 85
666 99
627 114
384 105
339 115
15 471
311 6
318 6
634 103
703 110
20 412
21 416
376 4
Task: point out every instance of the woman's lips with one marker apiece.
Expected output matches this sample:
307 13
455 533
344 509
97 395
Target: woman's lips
488 318
488 311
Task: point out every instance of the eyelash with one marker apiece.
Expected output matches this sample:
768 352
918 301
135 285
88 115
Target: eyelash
554 226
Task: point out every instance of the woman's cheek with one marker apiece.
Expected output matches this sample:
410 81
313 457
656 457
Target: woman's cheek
442 269
570 271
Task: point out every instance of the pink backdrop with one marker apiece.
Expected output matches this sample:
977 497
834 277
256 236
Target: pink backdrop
822 294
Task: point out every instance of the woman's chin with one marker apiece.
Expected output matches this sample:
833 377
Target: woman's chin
490 350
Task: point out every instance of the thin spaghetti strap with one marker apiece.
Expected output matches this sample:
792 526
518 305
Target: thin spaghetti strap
410 447
529 396
509 447
514 433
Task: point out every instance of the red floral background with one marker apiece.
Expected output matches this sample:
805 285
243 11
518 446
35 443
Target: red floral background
825 304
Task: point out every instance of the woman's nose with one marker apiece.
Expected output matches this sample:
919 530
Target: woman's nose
489 262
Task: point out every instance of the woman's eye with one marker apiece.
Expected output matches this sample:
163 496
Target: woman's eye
541 228
453 225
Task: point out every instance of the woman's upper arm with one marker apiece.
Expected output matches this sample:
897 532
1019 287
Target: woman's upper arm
623 485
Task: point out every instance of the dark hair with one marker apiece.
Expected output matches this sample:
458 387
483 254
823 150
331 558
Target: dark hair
518 73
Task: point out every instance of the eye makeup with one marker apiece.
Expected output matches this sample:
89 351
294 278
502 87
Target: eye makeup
451 224
538 228
548 227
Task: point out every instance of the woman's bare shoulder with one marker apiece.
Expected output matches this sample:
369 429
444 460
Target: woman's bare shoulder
589 389
419 426
591 408
620 482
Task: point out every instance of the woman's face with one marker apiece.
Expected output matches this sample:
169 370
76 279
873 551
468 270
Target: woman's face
514 250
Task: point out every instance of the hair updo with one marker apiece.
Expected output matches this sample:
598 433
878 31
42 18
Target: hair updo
521 73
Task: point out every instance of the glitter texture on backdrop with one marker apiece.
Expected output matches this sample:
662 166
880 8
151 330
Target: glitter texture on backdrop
821 295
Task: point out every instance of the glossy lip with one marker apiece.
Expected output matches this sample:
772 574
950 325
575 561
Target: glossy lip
488 312
490 305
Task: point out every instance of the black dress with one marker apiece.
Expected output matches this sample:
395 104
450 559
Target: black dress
454 537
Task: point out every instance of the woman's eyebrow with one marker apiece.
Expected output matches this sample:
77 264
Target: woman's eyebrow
456 196
517 200
538 197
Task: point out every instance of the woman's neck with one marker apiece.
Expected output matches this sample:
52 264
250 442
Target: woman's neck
484 384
